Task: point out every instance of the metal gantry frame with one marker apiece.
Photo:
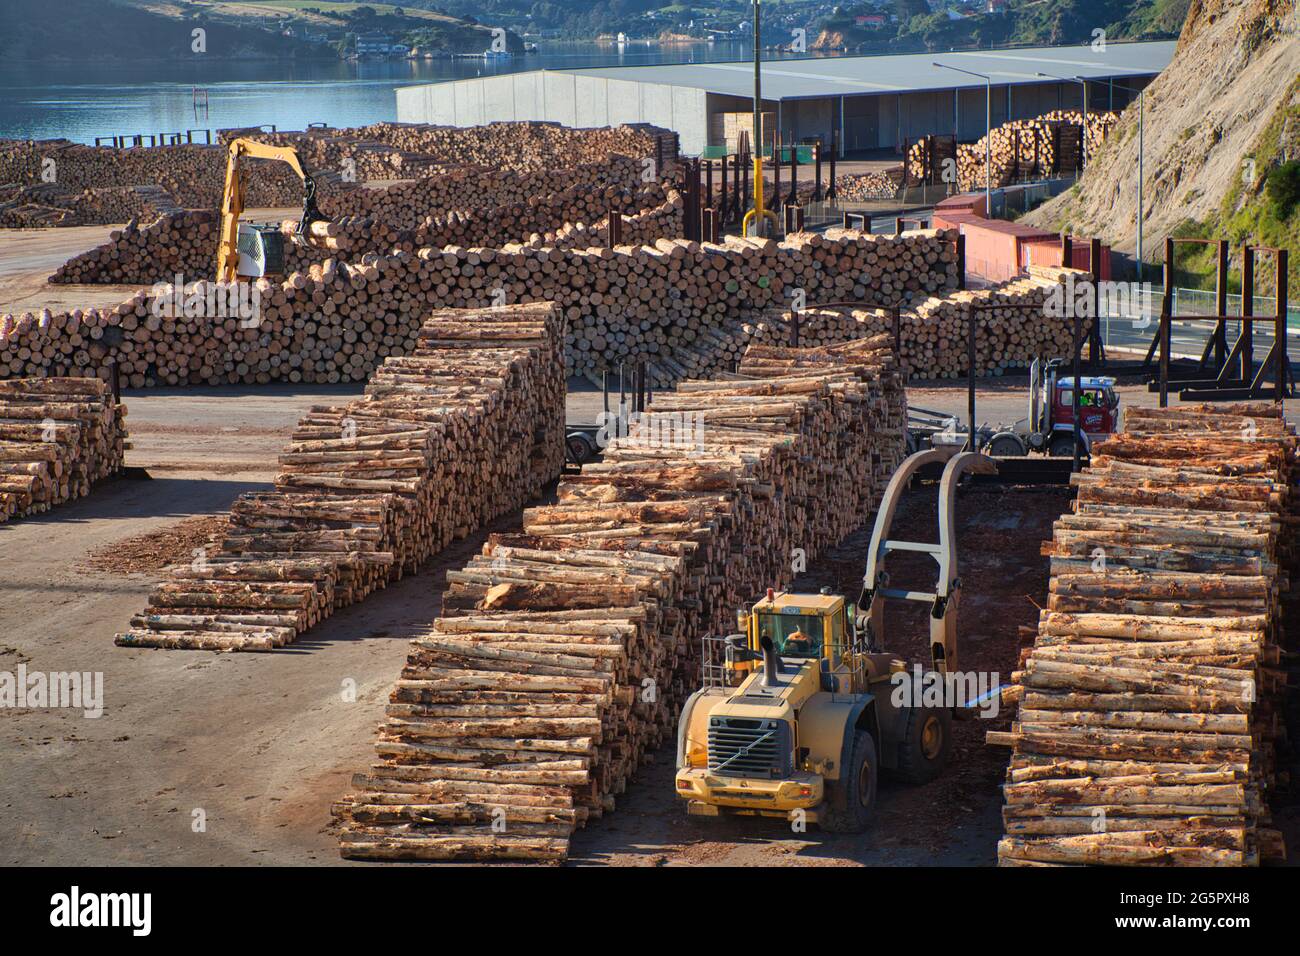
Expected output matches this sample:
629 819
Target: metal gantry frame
1234 376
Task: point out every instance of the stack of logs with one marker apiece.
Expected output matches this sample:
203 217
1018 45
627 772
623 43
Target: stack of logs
528 145
581 193
57 437
99 183
1148 705
183 242
50 204
565 651
466 428
932 333
1039 146
864 187
335 322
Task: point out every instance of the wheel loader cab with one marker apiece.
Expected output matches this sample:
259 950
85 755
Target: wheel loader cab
812 627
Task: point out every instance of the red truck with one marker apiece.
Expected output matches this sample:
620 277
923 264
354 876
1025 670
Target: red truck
1050 425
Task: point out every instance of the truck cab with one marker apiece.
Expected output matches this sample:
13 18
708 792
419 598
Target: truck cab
1098 406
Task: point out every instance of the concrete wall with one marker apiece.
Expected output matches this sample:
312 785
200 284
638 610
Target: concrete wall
565 98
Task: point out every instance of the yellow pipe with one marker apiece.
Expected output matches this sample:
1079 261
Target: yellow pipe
759 211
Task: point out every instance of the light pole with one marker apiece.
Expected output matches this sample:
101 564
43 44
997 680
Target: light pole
988 132
755 219
1080 80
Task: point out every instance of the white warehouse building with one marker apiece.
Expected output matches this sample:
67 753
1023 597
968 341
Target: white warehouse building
872 102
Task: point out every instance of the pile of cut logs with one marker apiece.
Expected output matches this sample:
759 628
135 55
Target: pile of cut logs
642 225
528 145
335 322
57 437
49 204
565 651
1017 149
1149 702
185 241
466 428
863 187
96 183
182 243
524 201
934 339
192 175
932 333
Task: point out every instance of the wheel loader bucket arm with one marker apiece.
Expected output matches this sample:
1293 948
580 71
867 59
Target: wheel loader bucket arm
943 599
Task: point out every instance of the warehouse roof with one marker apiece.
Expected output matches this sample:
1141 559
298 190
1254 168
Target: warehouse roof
790 79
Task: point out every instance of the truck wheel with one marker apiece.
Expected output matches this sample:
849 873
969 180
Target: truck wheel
923 753
1004 446
851 800
579 449
1062 446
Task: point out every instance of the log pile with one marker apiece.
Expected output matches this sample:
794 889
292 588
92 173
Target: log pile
58 436
97 183
49 204
1019 149
1011 336
865 187
529 145
523 201
932 332
335 322
466 428
643 227
183 242
193 176
1149 702
565 650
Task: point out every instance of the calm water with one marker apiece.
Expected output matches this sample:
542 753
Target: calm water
80 101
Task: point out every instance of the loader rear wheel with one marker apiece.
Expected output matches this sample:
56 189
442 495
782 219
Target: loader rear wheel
851 800
923 753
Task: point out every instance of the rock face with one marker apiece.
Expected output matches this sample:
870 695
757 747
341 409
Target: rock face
1235 63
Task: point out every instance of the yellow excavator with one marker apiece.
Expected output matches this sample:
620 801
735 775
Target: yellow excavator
799 710
246 250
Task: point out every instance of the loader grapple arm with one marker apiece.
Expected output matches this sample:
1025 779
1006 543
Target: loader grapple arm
943 599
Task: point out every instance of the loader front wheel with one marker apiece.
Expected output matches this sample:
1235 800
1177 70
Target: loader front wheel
923 753
851 800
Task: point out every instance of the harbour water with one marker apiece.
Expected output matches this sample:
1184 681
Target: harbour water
80 101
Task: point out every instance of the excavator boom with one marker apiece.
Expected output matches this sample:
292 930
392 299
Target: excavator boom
232 200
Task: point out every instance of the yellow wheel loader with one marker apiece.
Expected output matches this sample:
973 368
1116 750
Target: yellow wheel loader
803 707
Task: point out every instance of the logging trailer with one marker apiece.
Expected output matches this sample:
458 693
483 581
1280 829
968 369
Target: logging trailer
246 250
801 709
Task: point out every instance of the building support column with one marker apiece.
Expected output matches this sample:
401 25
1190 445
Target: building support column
843 146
